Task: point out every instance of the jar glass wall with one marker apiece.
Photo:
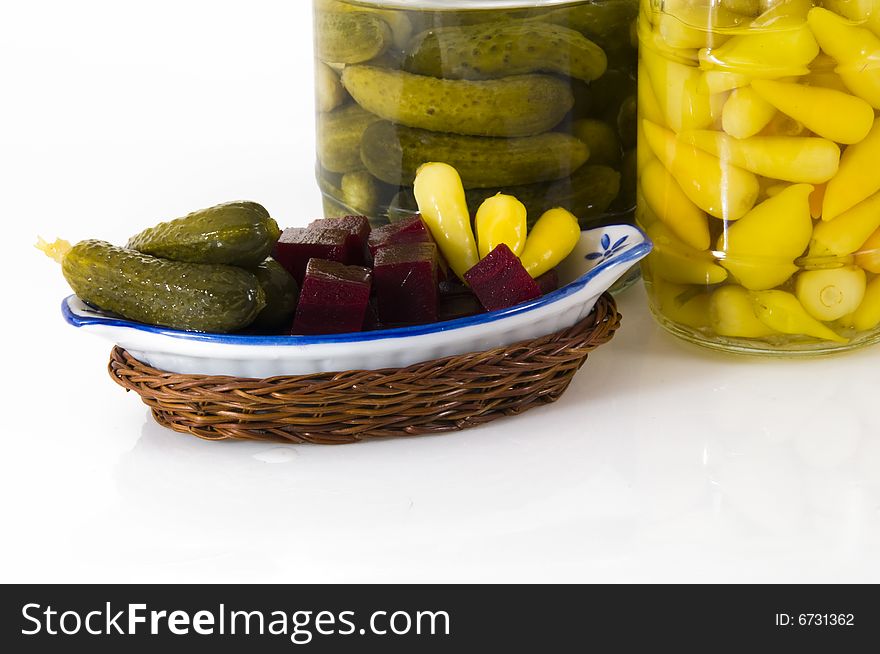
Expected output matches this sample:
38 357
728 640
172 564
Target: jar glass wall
759 171
532 98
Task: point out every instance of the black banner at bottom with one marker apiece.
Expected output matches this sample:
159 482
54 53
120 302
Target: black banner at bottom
435 618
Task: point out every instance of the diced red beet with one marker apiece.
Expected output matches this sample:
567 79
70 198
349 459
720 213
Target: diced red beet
408 230
460 305
358 228
371 319
333 299
548 282
297 245
501 281
405 279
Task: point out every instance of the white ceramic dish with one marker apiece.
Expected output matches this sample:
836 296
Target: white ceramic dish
600 259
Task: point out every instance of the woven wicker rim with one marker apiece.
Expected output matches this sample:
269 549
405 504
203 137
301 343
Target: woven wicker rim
442 395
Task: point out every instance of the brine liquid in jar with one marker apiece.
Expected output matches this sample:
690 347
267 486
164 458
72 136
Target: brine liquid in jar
535 99
759 171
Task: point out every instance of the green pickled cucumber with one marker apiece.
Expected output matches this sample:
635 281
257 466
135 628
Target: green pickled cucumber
583 98
329 93
281 293
587 194
236 234
360 191
393 153
492 50
398 21
603 22
521 105
190 296
339 138
350 37
609 92
601 138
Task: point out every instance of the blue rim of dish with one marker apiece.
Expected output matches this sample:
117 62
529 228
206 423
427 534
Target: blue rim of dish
631 255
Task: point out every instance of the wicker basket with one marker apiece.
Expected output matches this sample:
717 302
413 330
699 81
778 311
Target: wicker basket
436 396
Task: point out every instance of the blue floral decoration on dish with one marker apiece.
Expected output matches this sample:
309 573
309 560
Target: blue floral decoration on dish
608 250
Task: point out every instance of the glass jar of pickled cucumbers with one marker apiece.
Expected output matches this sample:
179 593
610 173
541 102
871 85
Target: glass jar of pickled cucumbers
759 171
533 97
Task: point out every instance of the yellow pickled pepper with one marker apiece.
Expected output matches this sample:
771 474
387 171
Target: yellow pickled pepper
441 201
649 106
669 203
854 48
719 81
829 294
714 185
867 316
822 74
857 178
836 116
761 247
675 261
860 11
782 125
847 232
690 26
682 304
501 219
732 313
676 87
809 160
765 54
782 14
746 113
783 312
551 239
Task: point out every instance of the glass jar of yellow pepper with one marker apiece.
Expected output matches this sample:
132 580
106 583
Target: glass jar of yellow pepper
759 171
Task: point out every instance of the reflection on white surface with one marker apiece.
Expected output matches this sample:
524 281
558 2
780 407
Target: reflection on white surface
663 462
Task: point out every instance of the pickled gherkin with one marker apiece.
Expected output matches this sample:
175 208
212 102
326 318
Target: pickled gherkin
188 296
394 153
495 92
236 234
520 105
759 117
350 37
493 50
339 138
280 292
605 22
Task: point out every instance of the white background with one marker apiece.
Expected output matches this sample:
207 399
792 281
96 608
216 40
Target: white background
662 463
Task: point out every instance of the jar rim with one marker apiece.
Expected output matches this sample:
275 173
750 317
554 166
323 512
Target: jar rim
457 5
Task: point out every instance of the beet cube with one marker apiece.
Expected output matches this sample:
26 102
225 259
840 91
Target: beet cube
358 228
548 282
405 278
297 245
408 230
371 319
333 299
500 281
